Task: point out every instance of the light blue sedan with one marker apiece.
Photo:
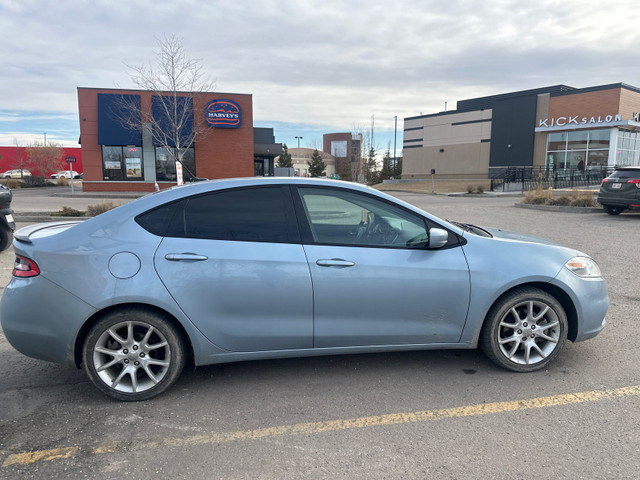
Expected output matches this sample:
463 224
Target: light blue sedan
260 268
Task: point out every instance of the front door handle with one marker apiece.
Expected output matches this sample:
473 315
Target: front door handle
177 257
334 262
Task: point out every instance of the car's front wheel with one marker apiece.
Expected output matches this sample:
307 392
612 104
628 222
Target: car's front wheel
524 330
613 210
133 354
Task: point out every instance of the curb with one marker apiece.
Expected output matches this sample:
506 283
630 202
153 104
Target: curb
42 217
559 208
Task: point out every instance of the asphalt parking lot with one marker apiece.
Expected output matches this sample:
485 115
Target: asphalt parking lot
438 414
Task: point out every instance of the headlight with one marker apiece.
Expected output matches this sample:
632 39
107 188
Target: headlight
583 267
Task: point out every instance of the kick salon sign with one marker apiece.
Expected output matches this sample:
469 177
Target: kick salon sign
577 120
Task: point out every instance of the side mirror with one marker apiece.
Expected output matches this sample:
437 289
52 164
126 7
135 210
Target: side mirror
438 237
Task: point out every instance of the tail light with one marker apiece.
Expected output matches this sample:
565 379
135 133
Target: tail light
636 181
25 267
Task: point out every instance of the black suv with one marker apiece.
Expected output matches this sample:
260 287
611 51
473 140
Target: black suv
621 190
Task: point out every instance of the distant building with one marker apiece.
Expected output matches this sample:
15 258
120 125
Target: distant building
265 151
346 148
12 158
302 156
558 127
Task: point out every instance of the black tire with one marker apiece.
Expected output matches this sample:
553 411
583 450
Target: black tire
611 210
524 330
6 238
133 354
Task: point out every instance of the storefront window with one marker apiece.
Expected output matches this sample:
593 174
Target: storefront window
599 139
577 140
133 163
122 163
628 149
166 164
556 141
580 149
112 163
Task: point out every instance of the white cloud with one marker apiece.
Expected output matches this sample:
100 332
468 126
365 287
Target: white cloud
314 62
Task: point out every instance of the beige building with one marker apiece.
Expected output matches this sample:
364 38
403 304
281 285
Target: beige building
453 144
302 156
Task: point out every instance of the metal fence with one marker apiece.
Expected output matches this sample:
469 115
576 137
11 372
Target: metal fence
529 178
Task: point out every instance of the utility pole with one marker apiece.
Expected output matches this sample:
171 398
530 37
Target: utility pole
395 136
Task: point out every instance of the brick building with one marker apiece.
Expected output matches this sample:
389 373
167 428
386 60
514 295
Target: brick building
345 148
120 158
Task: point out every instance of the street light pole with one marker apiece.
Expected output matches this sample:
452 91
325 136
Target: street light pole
395 137
299 138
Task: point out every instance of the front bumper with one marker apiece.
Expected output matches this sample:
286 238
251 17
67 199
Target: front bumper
591 302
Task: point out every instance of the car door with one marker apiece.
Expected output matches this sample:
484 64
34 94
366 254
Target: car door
374 282
233 262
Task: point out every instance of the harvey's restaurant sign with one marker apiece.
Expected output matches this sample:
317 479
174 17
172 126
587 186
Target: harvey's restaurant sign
575 121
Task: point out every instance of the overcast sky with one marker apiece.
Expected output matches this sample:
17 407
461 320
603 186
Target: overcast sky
313 67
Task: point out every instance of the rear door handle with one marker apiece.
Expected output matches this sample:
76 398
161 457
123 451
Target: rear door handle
177 257
334 262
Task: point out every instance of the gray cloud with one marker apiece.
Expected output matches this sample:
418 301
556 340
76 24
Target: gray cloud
329 63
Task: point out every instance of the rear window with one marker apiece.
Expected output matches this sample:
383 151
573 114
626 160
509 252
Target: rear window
626 174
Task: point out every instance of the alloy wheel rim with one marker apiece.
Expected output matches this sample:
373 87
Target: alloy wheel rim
529 332
132 357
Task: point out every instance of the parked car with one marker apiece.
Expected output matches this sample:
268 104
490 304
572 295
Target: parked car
620 191
15 173
66 174
7 224
246 269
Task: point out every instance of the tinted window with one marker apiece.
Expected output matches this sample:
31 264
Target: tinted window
157 220
625 174
252 215
346 218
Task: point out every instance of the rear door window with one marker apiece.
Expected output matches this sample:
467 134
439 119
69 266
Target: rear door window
249 214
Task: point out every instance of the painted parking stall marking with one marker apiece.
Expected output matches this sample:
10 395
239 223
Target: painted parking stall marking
25 458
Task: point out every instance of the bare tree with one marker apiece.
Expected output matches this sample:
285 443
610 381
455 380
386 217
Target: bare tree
18 161
42 159
370 163
175 82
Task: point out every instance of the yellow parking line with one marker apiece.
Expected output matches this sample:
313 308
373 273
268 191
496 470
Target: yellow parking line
332 425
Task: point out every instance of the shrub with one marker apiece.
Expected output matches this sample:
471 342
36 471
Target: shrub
563 200
68 212
93 210
578 198
475 189
582 198
535 197
63 181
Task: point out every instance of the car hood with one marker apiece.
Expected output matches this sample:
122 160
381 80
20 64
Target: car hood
520 237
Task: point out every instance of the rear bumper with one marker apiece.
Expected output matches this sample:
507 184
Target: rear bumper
47 329
626 201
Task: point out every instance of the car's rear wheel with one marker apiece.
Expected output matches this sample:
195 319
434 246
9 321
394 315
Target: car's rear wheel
524 330
613 210
133 354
